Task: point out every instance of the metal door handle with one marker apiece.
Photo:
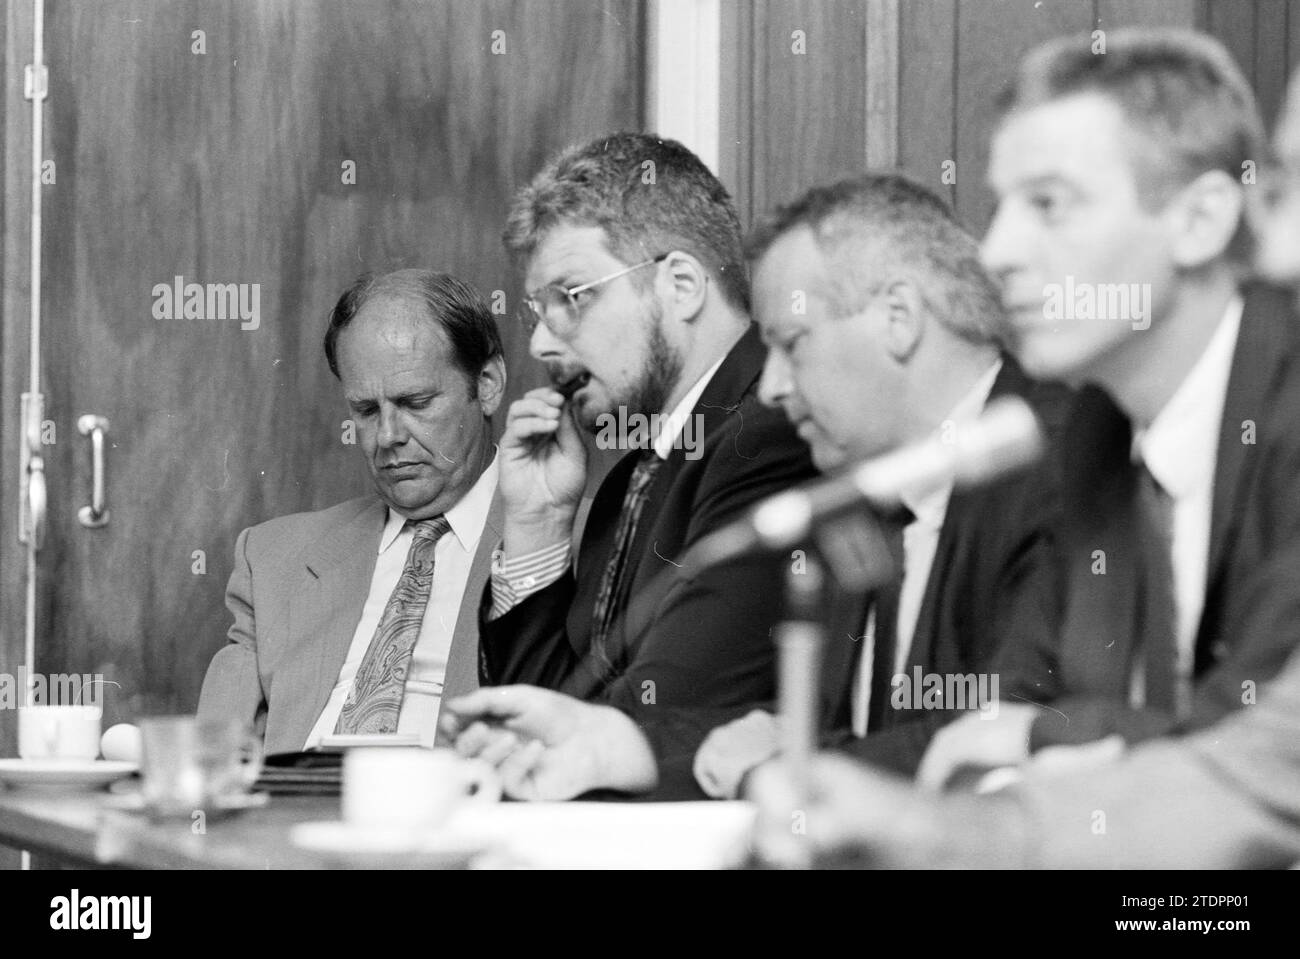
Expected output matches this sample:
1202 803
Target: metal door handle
36 500
96 514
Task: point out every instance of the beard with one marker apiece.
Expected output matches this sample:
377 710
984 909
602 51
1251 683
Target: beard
659 373
648 392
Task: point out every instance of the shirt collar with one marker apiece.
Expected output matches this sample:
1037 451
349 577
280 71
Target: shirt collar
675 422
929 503
1180 447
466 518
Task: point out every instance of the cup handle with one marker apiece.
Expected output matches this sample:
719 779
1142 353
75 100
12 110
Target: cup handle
483 780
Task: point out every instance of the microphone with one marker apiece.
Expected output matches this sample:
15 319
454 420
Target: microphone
1006 437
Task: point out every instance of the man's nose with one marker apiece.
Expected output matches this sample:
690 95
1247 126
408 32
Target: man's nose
1000 250
392 431
544 344
774 385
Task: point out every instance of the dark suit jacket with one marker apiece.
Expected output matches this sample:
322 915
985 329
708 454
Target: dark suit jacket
1252 599
996 579
296 593
681 639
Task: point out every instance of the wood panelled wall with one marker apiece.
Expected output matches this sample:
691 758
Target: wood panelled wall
226 164
793 119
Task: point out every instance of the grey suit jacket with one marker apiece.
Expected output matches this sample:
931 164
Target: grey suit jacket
1225 797
296 593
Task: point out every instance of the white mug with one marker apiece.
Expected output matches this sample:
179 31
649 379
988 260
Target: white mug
411 788
59 732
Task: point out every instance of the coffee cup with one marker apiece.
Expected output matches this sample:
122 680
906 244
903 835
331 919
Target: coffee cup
411 789
59 732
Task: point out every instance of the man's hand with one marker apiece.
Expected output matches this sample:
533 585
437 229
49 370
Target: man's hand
848 812
543 471
547 745
976 740
732 750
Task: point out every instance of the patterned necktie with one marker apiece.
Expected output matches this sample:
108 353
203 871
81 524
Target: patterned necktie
375 701
638 488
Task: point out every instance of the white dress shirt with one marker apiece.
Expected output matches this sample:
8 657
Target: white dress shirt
452 557
675 422
1180 448
929 506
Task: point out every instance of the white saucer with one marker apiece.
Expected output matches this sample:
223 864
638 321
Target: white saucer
63 773
133 801
336 838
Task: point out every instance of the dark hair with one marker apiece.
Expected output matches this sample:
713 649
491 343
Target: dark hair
648 194
878 220
1180 92
454 305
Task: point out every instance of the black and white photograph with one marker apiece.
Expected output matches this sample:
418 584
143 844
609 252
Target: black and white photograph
630 435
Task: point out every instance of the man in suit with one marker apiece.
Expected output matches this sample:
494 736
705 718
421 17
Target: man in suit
898 339
362 618
1180 595
1222 796
882 330
638 304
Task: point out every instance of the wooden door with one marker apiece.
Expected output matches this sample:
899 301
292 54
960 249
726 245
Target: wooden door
283 147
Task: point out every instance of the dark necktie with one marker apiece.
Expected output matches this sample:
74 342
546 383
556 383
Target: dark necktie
1157 633
375 701
886 634
611 582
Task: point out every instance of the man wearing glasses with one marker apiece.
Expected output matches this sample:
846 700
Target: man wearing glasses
638 305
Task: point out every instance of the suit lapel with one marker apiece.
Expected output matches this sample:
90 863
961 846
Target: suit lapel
1010 381
462 660
597 545
721 395
846 622
338 568
717 402
1264 342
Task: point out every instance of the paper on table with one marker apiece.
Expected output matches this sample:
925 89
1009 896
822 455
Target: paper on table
603 835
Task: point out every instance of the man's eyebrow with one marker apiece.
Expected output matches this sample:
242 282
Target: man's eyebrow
1044 179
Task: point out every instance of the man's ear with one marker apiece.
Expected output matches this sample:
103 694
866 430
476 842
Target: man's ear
688 283
492 384
1205 217
904 319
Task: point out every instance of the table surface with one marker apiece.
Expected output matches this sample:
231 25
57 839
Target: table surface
82 827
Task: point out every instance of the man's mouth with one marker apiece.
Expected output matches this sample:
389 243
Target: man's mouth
570 386
401 468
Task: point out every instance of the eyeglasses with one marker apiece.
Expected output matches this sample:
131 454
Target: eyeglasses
560 307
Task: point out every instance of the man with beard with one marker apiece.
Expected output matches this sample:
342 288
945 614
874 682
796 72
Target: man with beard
638 304
883 331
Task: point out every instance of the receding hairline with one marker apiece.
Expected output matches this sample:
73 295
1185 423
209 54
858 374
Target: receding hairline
413 312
